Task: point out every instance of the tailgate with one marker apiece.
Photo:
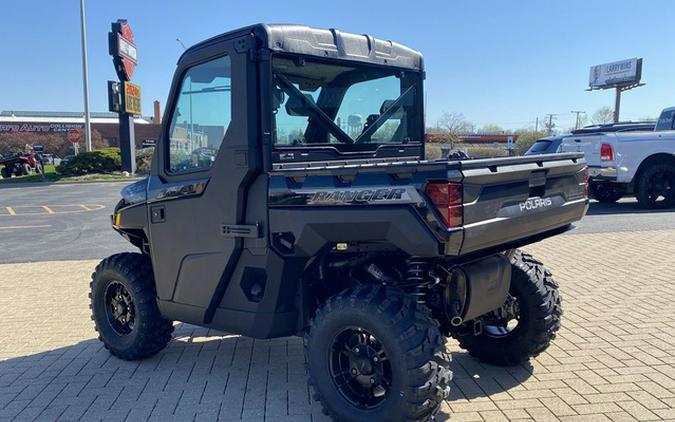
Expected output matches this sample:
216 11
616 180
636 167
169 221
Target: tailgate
589 145
507 200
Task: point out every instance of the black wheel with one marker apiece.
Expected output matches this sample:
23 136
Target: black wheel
124 307
605 194
26 169
6 172
373 353
526 324
655 187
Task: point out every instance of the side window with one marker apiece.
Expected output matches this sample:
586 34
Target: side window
201 116
666 121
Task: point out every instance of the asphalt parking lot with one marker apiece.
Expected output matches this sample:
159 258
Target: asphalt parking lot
613 360
72 221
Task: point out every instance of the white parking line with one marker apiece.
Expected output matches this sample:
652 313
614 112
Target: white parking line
24 227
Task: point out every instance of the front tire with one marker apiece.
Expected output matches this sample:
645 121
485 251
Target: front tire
655 188
373 353
539 311
124 307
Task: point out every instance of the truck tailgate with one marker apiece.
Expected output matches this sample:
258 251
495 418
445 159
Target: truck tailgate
589 145
512 199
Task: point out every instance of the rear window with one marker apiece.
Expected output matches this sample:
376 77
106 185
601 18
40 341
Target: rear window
665 121
539 147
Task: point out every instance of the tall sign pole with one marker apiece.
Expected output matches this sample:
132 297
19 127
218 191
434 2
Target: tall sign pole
85 78
124 97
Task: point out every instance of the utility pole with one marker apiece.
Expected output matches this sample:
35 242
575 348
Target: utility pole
549 126
578 121
536 125
85 79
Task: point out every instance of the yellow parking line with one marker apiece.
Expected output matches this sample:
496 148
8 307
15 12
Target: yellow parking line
22 210
24 227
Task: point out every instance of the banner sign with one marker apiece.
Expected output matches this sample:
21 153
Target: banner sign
39 128
624 72
131 98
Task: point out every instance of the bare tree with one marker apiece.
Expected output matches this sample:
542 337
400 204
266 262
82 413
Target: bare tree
603 115
454 123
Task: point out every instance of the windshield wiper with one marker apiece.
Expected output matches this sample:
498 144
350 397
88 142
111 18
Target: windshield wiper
368 133
334 129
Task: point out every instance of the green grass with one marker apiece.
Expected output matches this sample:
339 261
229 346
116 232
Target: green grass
51 176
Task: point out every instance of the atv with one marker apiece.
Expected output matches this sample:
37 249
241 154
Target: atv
315 214
20 164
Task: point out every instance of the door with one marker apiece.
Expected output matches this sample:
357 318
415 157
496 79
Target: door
195 192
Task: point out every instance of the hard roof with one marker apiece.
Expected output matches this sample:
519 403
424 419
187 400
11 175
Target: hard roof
328 43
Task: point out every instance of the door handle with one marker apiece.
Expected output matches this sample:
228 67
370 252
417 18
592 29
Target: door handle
157 214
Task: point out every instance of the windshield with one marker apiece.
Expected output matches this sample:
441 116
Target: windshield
349 106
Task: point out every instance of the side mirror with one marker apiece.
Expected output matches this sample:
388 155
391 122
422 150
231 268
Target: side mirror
297 107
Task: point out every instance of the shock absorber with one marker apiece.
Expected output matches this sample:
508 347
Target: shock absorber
417 278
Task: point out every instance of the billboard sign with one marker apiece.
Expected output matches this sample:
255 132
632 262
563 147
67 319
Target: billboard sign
608 75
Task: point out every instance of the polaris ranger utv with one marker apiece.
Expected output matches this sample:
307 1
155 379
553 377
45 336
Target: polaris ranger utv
289 195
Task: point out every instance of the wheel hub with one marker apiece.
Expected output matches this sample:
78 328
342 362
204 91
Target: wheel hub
120 308
503 321
360 368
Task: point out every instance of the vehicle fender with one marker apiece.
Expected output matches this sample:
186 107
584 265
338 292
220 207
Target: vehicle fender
303 232
659 158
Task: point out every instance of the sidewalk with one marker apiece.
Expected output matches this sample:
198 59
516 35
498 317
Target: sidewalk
614 358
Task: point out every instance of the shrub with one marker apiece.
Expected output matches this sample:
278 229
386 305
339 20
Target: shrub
105 160
144 160
432 152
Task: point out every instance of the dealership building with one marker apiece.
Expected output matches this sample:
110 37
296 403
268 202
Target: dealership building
146 129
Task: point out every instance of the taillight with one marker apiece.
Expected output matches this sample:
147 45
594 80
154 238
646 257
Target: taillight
586 181
606 152
447 198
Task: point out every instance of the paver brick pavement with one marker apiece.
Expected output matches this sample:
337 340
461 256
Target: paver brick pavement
613 360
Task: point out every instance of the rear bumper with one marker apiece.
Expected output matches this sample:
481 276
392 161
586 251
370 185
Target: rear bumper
505 233
608 174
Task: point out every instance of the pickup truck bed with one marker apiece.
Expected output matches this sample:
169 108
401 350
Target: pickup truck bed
507 202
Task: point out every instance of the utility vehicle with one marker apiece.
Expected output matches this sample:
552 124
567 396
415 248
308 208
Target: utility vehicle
289 195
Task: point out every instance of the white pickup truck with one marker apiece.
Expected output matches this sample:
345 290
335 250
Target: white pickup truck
624 163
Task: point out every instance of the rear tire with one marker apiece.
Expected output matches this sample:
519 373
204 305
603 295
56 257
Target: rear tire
373 353
655 187
604 194
6 172
540 312
124 307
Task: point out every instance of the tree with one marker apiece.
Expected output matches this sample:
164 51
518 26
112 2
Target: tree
603 115
491 128
454 123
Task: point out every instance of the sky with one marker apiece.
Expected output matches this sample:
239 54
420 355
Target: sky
495 62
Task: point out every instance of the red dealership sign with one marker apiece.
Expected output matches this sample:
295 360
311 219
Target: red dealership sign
122 48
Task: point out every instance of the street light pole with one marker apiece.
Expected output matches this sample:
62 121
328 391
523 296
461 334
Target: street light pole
85 78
